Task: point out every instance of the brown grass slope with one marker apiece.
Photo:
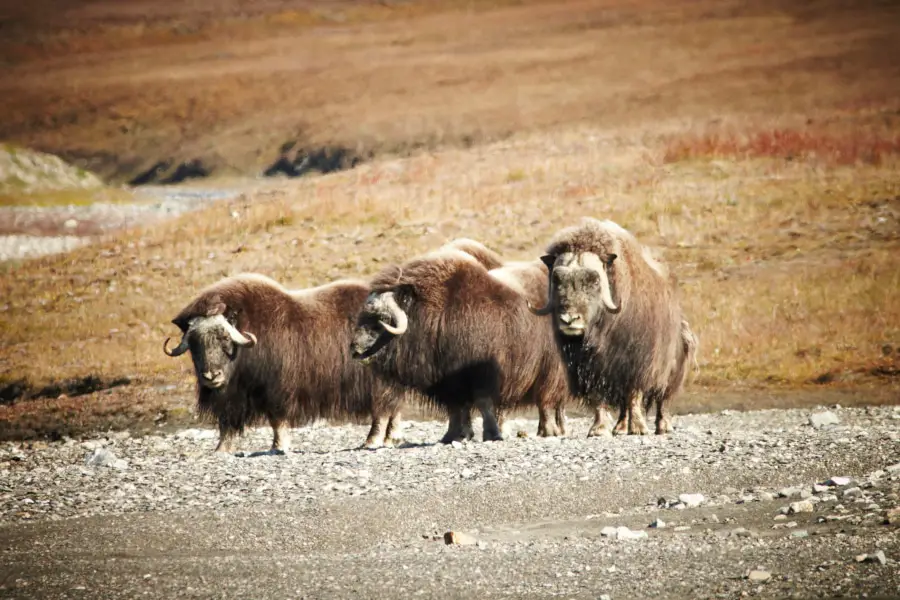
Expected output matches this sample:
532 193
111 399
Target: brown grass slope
119 86
758 149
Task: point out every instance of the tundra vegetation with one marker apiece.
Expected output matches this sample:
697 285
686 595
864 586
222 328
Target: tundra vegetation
754 145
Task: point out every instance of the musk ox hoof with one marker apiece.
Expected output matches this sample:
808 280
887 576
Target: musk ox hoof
393 442
599 432
663 428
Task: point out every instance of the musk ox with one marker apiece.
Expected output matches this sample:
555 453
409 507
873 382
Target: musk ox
462 335
618 324
262 353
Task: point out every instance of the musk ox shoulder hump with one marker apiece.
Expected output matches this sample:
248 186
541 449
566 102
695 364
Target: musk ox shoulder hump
487 257
449 254
513 273
311 293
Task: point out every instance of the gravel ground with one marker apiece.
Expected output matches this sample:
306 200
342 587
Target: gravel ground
162 515
31 231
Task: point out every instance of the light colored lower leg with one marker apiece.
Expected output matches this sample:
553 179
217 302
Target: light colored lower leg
602 422
561 420
376 435
468 432
546 423
393 428
226 440
621 427
637 424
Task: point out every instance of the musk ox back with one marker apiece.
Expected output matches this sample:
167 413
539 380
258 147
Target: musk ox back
618 323
445 326
264 354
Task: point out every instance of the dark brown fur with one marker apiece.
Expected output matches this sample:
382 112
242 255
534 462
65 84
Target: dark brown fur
471 342
301 368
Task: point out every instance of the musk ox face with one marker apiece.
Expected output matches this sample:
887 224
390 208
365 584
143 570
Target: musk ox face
379 323
214 344
580 290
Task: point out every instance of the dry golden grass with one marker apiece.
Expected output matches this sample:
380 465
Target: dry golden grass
757 148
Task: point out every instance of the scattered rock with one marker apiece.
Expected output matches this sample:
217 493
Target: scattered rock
803 506
878 557
658 523
800 533
766 497
852 492
838 481
622 533
101 457
691 500
458 538
758 576
819 489
789 492
893 516
823 419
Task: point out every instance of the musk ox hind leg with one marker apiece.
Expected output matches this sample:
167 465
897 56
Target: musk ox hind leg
490 430
663 420
561 419
621 427
602 422
459 426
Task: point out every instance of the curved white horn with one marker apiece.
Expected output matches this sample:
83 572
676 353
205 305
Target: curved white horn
397 313
240 338
606 292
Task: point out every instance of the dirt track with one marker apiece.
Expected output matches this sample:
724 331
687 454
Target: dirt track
331 521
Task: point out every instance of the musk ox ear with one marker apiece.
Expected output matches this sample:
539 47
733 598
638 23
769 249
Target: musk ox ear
549 260
216 309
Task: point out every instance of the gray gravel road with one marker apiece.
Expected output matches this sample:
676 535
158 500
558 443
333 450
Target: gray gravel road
162 517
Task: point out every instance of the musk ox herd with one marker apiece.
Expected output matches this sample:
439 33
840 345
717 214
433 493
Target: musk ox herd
595 320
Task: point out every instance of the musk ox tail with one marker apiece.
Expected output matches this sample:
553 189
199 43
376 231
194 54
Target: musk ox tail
690 344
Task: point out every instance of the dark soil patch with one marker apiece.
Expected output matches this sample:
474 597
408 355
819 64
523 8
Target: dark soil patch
18 390
168 172
295 160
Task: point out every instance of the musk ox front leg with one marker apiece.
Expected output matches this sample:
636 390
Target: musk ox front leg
376 437
393 426
663 422
281 436
547 426
637 425
602 422
227 435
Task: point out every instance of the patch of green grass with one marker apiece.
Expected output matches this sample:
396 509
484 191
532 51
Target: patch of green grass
75 197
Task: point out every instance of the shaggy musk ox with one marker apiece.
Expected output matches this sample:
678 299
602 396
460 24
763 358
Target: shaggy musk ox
618 324
265 354
462 335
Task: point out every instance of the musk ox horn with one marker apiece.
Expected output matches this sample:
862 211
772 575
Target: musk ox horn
543 311
240 338
397 313
606 293
180 349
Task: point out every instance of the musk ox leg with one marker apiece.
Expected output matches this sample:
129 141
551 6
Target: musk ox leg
663 422
602 422
621 427
393 426
226 439
561 419
281 437
547 426
637 425
376 437
490 431
459 427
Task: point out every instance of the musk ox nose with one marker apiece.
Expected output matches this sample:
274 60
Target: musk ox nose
211 375
569 318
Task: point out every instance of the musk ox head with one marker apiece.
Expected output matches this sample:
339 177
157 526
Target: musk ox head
214 344
380 321
582 276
